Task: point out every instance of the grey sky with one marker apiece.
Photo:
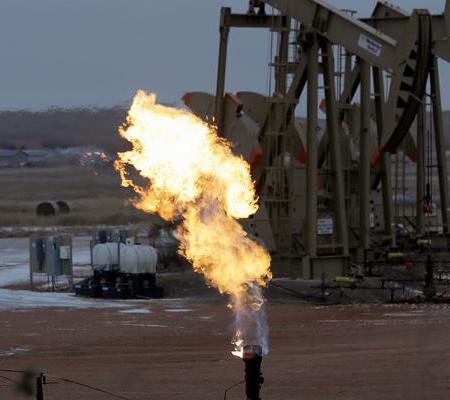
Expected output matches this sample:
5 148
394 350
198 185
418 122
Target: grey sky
99 52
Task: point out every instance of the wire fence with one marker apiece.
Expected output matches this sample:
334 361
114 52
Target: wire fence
32 383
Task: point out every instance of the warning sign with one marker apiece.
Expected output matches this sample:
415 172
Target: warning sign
325 226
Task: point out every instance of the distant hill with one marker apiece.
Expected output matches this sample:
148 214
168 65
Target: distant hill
62 128
76 127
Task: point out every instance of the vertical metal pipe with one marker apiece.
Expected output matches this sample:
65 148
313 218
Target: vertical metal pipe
420 173
441 147
364 159
223 46
386 184
252 358
39 387
312 150
335 145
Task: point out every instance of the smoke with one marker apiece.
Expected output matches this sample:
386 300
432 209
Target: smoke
250 320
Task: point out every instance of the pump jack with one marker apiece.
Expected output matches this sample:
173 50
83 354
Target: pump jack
319 194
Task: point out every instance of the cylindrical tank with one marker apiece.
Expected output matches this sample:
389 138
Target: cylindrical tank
105 255
138 259
134 259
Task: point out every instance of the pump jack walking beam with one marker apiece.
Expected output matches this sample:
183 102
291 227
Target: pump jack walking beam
340 28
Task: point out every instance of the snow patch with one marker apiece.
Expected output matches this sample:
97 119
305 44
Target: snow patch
206 317
19 299
135 311
13 351
146 325
15 254
401 315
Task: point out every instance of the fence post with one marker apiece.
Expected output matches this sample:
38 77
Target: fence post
39 387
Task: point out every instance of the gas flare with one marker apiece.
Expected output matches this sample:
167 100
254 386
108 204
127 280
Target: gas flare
192 175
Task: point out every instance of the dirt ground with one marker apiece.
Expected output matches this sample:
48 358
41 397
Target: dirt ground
179 349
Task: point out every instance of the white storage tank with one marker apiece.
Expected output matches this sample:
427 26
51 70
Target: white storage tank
138 259
105 255
134 259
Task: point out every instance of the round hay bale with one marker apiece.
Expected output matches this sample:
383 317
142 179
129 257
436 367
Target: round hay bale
63 207
46 209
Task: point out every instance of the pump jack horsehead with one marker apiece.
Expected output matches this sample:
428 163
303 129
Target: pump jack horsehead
304 179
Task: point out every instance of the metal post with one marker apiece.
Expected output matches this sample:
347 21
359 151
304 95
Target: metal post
39 387
386 184
429 289
420 178
440 144
364 159
252 358
223 46
312 150
335 144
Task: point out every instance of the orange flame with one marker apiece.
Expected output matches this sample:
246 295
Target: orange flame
192 173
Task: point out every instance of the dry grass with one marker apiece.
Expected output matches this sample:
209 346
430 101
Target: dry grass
95 197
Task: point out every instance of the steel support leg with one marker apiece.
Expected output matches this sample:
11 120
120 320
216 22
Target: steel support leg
421 173
364 159
282 59
311 161
386 184
441 147
221 72
335 146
